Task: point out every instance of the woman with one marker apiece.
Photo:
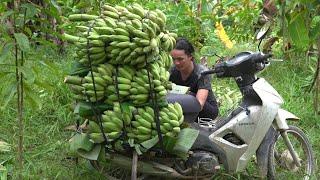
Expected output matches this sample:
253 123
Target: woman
186 72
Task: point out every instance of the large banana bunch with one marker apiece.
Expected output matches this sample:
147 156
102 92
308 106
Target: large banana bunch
171 117
141 84
113 123
120 88
146 82
167 40
75 85
128 48
122 35
166 59
94 87
144 125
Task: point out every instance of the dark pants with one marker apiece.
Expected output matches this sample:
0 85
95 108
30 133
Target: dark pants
209 110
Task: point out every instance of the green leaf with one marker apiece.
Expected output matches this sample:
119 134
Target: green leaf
31 96
4 75
315 28
80 141
186 138
9 93
5 51
298 32
28 74
150 143
6 14
3 172
23 41
30 9
93 154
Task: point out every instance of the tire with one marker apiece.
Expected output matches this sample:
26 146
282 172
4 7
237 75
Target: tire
280 162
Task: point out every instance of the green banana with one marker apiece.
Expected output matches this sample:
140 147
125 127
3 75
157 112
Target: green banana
124 73
122 80
143 130
113 135
110 127
111 14
97 137
109 8
144 123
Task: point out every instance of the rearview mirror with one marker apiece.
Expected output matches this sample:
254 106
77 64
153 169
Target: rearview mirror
263 31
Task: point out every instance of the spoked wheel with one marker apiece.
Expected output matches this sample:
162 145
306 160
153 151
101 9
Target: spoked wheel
282 164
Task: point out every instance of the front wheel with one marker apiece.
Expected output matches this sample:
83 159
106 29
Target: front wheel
281 164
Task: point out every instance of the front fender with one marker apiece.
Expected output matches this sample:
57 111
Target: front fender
281 118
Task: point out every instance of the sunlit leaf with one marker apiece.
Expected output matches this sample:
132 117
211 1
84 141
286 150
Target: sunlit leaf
298 32
23 41
315 28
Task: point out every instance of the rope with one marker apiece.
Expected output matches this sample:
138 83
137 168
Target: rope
96 112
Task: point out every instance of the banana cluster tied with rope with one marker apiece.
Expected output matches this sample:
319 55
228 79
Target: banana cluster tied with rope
122 61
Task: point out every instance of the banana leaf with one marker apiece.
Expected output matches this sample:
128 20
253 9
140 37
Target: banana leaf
186 138
84 109
93 154
150 143
80 141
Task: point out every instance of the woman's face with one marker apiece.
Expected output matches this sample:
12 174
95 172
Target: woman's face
180 59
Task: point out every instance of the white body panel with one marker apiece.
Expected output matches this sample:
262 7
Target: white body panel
250 128
280 122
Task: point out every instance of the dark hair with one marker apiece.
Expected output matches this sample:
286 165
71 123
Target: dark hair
184 44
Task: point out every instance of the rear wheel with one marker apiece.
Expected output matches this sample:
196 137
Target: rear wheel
281 164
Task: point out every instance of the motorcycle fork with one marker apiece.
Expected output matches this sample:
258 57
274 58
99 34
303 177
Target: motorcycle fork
285 137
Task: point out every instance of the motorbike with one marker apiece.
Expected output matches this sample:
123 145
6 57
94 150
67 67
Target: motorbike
257 127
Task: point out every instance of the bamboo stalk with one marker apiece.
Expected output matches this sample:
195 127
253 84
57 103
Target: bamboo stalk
283 25
317 89
134 165
199 8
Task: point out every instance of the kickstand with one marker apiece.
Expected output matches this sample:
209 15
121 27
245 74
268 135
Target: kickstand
134 165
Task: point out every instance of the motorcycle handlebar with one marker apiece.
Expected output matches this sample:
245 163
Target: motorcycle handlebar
256 58
209 72
261 58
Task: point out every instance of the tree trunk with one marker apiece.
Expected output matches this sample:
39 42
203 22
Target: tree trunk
317 79
199 8
284 28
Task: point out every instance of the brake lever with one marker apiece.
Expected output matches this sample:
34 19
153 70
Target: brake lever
275 60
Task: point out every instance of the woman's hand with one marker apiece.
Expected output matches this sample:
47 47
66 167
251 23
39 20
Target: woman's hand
201 96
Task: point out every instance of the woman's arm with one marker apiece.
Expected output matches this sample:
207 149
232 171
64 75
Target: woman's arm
201 96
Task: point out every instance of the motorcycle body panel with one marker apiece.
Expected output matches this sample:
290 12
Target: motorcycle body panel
280 122
250 126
